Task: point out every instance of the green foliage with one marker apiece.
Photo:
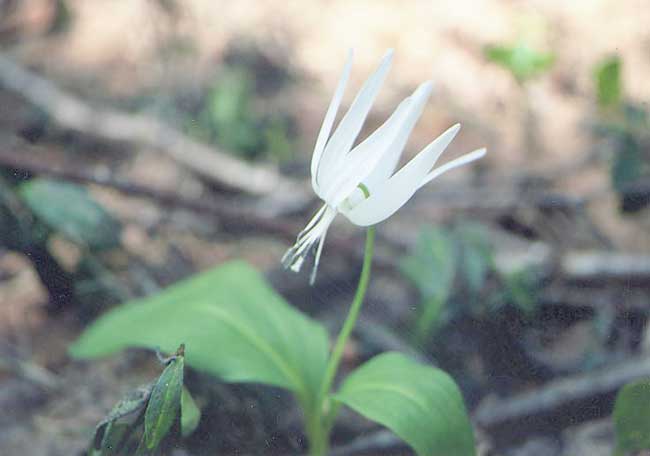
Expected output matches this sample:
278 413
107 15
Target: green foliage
230 113
523 62
432 264
233 324
607 75
62 19
432 268
190 413
69 209
477 255
451 268
164 403
519 289
627 164
419 403
229 119
632 417
151 411
626 127
111 434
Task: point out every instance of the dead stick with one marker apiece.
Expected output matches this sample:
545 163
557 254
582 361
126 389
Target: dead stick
72 113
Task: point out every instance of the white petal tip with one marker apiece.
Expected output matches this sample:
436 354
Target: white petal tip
450 134
387 59
478 153
424 89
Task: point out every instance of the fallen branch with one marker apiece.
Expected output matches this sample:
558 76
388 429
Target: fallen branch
23 157
220 167
599 266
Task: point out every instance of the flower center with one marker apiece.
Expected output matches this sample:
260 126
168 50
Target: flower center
359 194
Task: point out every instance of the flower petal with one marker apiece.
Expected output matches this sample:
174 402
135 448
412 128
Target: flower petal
386 166
361 160
387 199
460 161
328 122
348 130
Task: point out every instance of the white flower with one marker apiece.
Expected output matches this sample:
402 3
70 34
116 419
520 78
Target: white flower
359 182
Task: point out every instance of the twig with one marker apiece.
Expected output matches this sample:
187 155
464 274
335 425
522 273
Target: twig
598 266
18 155
571 399
72 113
280 195
380 441
573 265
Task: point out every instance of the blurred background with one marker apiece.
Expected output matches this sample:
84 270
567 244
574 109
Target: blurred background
142 141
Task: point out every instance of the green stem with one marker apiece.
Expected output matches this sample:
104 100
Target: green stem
325 416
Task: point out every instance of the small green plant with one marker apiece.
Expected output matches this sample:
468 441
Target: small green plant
521 60
37 210
450 267
632 418
264 340
524 63
229 118
150 416
237 328
625 129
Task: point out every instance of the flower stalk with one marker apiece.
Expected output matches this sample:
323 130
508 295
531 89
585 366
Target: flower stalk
326 411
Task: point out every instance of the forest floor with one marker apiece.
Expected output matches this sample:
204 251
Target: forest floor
537 381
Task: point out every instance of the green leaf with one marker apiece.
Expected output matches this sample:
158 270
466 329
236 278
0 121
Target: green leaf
123 415
608 82
233 325
164 404
477 256
523 62
519 288
69 209
112 439
632 417
627 165
419 403
431 265
190 414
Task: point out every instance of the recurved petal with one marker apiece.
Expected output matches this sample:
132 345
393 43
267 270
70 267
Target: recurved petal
386 166
387 199
460 161
348 130
328 122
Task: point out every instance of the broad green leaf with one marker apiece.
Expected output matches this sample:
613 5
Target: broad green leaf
164 404
233 326
523 62
69 209
190 414
608 81
632 417
419 403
